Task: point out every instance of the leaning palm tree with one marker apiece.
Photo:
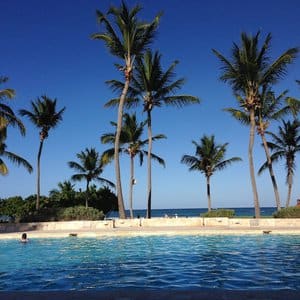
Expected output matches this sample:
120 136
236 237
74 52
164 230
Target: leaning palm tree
271 109
7 115
44 116
89 169
153 87
285 145
126 37
14 158
209 158
248 71
131 144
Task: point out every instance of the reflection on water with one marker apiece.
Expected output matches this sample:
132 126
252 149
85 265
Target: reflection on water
182 262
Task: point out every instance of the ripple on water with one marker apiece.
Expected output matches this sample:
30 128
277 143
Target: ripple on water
183 262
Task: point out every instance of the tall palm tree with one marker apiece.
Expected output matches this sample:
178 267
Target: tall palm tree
89 169
8 118
272 108
285 145
209 158
10 155
44 116
153 87
7 115
248 71
131 144
126 37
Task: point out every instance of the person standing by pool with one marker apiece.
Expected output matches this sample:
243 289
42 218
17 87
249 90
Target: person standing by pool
24 238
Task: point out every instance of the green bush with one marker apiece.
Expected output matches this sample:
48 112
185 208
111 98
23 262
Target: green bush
219 213
80 213
13 206
290 212
42 215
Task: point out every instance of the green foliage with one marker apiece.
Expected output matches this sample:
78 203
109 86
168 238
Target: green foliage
104 200
64 196
63 214
229 213
42 215
81 213
12 206
290 212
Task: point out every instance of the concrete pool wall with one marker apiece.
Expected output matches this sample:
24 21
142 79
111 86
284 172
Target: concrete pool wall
192 222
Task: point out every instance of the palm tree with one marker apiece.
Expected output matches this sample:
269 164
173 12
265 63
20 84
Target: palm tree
285 145
248 72
65 194
272 108
131 144
90 168
7 115
10 155
44 116
8 118
154 88
126 37
209 158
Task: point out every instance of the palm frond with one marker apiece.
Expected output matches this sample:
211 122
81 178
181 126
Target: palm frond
3 168
78 177
76 166
107 156
181 100
108 182
239 115
278 68
18 160
225 163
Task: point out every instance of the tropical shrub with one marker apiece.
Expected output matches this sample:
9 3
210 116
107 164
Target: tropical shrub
41 215
12 206
81 213
229 213
104 200
290 212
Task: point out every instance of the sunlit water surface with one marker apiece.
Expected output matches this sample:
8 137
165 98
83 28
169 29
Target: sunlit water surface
156 262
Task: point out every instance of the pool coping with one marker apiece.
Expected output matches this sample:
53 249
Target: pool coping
148 231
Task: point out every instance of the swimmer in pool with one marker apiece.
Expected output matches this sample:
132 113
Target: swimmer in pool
24 238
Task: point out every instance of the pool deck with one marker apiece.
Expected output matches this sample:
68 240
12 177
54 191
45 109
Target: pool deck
155 226
148 231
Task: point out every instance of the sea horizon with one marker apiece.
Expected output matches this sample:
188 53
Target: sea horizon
194 212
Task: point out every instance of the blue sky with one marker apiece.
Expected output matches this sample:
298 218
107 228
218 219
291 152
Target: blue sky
46 49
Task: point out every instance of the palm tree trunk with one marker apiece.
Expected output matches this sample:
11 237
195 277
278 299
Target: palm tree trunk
38 185
149 165
122 214
251 164
290 184
131 185
87 194
208 193
270 166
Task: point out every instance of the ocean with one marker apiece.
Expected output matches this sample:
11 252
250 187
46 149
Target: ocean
195 212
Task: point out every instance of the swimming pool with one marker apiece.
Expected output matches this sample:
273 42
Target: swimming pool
155 262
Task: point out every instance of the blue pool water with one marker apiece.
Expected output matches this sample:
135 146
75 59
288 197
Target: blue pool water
155 262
